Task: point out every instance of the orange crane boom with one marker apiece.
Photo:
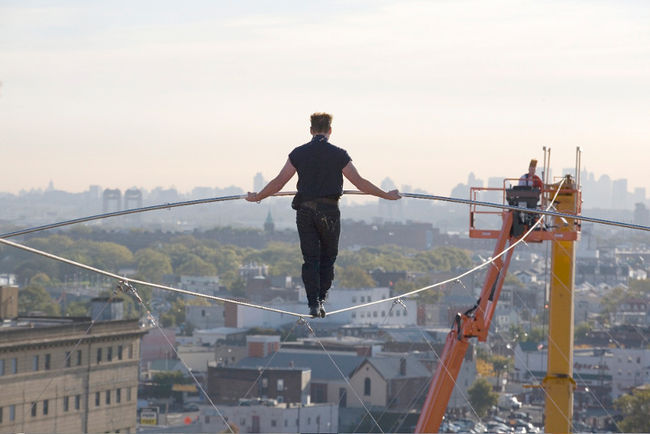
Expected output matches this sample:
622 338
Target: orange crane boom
475 322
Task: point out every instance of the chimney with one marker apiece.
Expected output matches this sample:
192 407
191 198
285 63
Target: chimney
8 302
402 366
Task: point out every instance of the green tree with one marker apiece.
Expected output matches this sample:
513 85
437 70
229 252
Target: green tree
513 280
193 265
430 296
152 264
581 330
635 409
40 279
283 259
109 256
175 316
163 382
354 277
34 298
76 308
481 396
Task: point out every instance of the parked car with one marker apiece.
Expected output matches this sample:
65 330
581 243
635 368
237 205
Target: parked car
508 402
191 407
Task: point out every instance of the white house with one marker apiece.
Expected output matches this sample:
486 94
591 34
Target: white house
388 313
278 418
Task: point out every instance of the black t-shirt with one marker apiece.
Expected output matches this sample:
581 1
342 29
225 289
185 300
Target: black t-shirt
319 165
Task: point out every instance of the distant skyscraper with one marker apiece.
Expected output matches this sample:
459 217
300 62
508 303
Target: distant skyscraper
258 182
388 184
619 194
473 181
604 192
639 195
112 200
641 214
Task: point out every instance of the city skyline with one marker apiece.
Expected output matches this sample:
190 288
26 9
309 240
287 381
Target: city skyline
122 94
592 185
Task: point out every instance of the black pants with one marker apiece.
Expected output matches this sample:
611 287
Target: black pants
319 227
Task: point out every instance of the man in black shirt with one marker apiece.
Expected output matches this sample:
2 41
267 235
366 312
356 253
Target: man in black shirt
321 167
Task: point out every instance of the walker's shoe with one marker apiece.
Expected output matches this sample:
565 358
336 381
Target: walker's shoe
321 309
314 311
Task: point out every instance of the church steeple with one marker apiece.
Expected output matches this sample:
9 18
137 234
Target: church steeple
269 226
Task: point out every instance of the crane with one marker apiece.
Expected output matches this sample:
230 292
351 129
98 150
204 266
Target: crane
475 322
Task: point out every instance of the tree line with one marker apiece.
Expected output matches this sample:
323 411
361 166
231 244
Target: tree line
186 254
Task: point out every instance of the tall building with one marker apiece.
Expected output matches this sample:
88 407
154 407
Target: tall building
258 182
619 194
68 375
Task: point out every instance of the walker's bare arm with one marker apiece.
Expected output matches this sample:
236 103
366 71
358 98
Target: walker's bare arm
366 186
275 184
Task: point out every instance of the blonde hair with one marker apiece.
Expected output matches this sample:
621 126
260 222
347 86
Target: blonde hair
533 163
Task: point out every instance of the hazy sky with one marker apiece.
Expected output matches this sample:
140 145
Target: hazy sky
208 93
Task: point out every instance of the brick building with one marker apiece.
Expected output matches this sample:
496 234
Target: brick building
62 375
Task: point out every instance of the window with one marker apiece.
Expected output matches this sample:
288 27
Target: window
12 412
374 314
77 402
99 355
130 351
109 354
369 298
1 411
265 383
34 409
280 384
66 403
366 386
46 405
354 299
97 399
128 394
35 363
78 357
108 397
362 299
118 396
2 367
273 422
48 359
354 315
203 312
119 352
68 362
398 313
242 421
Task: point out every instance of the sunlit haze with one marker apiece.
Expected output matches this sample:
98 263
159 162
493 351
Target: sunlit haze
208 93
